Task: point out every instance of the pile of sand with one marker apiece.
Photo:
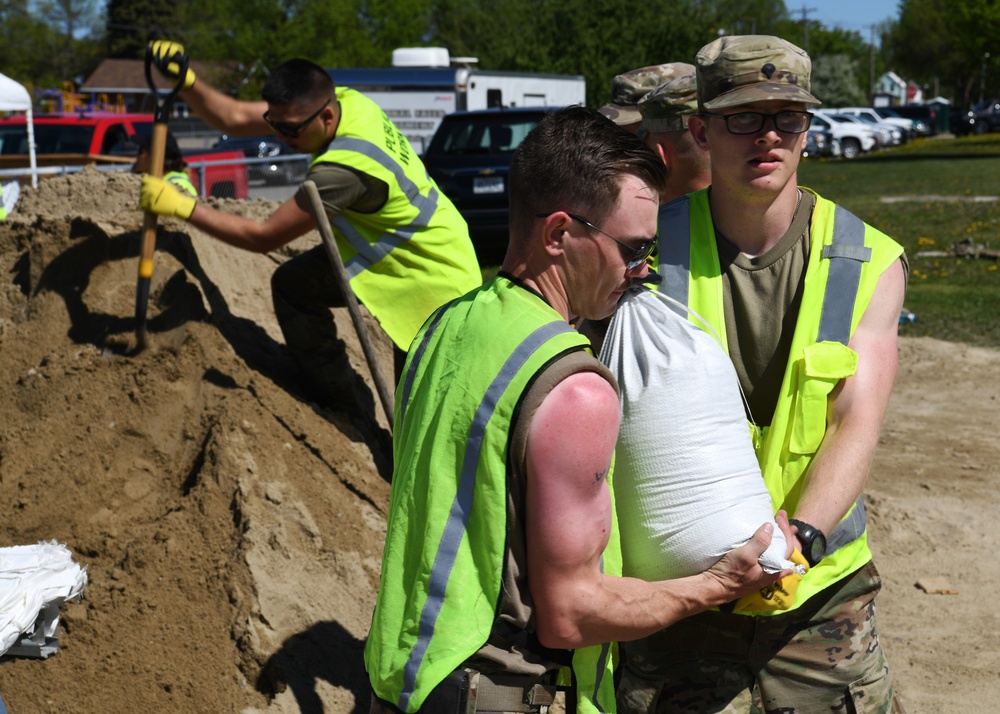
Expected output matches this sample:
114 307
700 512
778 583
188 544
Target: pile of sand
232 533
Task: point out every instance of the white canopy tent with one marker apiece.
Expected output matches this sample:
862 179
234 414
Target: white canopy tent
15 98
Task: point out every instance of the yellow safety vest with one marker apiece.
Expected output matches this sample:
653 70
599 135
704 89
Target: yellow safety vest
446 538
182 181
846 259
413 254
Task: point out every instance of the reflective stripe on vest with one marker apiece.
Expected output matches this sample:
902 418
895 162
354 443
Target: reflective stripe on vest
674 227
846 252
370 253
600 669
461 507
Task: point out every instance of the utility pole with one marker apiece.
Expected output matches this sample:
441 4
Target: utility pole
982 78
805 26
871 69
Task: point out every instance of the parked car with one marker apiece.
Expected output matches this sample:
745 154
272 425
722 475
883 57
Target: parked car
88 139
902 128
882 136
916 127
820 143
925 113
268 158
81 139
469 159
854 138
889 134
980 119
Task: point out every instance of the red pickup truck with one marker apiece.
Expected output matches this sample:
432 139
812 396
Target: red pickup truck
90 139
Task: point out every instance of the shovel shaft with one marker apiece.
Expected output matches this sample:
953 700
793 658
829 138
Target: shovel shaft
157 149
340 275
147 248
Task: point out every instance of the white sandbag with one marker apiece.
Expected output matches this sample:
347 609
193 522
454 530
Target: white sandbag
688 488
11 192
34 581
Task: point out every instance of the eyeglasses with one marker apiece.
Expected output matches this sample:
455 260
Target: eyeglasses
291 130
789 122
635 256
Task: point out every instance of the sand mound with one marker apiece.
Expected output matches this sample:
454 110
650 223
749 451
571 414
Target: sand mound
232 533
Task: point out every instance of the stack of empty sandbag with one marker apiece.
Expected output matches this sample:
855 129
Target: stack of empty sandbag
34 581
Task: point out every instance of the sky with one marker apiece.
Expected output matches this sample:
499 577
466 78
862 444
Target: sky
855 15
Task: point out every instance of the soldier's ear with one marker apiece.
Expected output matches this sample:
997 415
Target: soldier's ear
554 232
698 129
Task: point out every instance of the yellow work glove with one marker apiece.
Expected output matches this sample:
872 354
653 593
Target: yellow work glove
167 57
779 596
162 198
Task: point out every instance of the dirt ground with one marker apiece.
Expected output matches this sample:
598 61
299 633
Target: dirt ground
232 531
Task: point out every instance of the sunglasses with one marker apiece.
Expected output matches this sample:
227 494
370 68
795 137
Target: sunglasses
634 256
790 122
291 130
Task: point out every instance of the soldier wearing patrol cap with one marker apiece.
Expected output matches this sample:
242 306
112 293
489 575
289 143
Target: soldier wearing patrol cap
657 113
665 111
806 299
628 88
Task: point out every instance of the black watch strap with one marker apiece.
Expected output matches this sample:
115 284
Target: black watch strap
812 539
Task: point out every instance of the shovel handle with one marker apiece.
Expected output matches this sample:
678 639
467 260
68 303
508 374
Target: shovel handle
340 275
157 149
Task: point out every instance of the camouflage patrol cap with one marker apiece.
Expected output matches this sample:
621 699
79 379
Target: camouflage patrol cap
741 69
628 88
668 107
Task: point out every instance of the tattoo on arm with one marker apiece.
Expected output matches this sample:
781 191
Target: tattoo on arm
600 475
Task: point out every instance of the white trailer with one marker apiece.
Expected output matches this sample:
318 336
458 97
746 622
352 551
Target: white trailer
425 83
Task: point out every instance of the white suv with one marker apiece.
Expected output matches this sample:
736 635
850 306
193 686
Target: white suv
904 126
854 138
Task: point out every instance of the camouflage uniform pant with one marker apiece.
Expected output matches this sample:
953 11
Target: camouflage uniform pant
821 657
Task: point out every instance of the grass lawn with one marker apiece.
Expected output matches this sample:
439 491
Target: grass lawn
954 299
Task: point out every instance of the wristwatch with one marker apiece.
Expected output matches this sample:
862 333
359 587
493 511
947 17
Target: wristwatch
813 541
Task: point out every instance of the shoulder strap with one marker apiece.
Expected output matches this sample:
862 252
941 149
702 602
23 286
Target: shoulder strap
674 226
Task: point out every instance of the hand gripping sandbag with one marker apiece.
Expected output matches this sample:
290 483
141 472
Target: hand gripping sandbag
688 488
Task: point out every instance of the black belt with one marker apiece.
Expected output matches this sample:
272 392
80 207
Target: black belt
465 691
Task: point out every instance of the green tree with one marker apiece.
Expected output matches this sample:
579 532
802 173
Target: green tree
834 81
744 17
28 46
945 43
131 23
841 62
595 38
71 20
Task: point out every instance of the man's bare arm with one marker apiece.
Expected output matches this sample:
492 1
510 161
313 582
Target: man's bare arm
857 407
220 111
291 220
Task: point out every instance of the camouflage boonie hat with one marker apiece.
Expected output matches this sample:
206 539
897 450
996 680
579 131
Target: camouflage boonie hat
668 107
628 88
752 68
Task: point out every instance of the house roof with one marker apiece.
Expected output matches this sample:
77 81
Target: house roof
120 76
893 77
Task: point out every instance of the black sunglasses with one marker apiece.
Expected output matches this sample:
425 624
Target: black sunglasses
635 256
289 129
789 122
